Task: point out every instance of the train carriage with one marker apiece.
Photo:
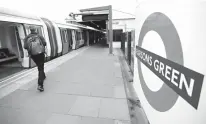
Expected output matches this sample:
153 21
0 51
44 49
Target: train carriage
14 27
65 32
60 38
52 38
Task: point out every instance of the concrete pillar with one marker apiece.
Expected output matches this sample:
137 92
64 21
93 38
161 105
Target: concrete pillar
87 38
107 35
110 31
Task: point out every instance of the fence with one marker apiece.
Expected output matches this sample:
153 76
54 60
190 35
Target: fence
127 47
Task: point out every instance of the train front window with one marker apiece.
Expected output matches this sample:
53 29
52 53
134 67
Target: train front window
39 31
38 28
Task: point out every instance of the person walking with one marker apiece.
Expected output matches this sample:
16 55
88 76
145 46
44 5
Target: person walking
35 45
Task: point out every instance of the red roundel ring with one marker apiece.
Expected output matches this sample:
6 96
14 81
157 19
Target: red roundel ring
165 98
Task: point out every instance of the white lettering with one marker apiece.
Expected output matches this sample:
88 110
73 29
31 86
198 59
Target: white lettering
189 89
156 66
150 60
146 58
167 71
143 56
161 70
174 76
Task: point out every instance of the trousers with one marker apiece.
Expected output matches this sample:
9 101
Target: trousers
39 61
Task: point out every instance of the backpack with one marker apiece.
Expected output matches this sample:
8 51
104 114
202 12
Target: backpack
35 45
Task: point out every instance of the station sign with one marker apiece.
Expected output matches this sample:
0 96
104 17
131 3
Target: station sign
98 17
181 72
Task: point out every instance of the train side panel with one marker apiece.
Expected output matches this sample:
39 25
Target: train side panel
58 38
46 36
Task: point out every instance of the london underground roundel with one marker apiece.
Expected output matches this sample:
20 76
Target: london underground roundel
179 81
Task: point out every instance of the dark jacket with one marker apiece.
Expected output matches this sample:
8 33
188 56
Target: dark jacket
26 42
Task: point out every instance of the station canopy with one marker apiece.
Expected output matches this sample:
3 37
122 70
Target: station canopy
98 16
95 17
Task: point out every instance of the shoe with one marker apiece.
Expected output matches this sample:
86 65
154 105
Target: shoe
40 88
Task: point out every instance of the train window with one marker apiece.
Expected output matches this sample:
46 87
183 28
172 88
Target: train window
39 29
78 35
75 32
69 36
62 35
66 36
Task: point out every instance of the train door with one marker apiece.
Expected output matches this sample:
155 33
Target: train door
11 47
39 30
20 35
12 58
18 43
67 40
65 44
78 38
85 37
69 32
81 38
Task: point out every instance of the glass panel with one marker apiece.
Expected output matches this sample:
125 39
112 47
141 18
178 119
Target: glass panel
66 36
39 29
62 35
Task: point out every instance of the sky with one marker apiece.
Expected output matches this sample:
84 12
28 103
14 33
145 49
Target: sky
59 9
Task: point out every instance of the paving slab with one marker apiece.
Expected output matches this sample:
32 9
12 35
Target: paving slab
122 122
54 103
20 116
102 91
86 106
70 88
33 100
118 82
114 109
119 92
90 120
63 119
15 99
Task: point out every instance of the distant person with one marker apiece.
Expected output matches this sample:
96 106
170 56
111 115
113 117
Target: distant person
35 45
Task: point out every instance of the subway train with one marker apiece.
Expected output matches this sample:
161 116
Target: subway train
170 60
61 38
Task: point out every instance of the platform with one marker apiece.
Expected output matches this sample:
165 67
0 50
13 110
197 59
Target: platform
82 87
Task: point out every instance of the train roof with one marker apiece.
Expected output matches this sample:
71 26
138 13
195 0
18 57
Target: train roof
75 25
9 15
66 25
18 17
